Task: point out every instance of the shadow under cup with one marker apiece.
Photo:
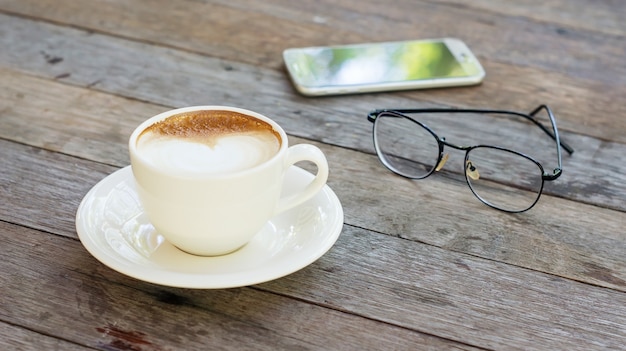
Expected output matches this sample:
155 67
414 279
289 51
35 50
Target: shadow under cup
210 177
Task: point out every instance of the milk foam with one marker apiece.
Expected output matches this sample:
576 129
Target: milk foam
224 154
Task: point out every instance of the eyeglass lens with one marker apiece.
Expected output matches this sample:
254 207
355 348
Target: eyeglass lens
405 147
498 177
503 179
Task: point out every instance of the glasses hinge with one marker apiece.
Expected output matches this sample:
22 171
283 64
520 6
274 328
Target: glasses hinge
555 174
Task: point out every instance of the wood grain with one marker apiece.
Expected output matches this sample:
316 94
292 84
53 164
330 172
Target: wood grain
95 126
113 312
325 22
337 122
560 70
597 16
512 304
385 206
19 339
419 264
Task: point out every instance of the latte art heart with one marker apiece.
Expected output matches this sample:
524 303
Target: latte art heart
208 142
224 155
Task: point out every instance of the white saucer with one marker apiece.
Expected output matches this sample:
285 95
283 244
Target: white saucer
112 226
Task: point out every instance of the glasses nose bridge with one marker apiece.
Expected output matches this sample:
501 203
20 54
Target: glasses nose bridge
454 146
443 156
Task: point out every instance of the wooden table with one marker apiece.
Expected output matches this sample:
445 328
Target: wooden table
418 265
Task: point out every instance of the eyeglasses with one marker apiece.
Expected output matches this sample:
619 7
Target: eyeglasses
501 178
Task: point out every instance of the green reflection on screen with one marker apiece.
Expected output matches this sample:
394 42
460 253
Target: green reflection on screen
381 63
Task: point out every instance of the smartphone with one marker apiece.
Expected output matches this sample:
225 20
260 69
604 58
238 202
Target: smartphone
387 66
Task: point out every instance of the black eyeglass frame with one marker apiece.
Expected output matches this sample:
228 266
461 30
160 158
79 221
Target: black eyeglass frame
546 176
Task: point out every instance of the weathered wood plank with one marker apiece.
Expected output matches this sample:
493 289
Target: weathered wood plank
20 339
592 15
272 25
440 211
584 103
52 285
42 190
418 287
31 106
98 124
448 293
561 237
420 264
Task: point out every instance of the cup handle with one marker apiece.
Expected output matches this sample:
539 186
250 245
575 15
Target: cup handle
304 152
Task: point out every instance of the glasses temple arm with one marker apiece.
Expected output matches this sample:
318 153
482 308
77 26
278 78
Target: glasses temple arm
373 114
567 148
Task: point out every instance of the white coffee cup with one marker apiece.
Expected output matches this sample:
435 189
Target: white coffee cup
206 209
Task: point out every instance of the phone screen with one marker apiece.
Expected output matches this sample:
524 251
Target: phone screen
377 63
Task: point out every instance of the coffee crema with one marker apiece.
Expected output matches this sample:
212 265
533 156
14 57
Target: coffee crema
209 142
